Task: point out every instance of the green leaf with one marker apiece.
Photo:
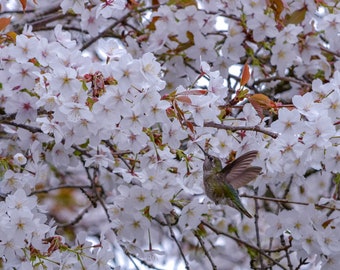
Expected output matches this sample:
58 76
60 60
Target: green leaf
84 145
297 16
337 179
84 86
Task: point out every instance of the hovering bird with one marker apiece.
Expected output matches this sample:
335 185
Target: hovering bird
221 184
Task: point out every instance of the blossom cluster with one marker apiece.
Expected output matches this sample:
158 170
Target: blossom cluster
101 111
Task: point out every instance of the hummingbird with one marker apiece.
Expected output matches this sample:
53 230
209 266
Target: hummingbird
221 184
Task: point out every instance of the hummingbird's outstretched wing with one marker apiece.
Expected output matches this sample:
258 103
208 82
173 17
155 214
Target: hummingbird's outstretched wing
248 175
239 172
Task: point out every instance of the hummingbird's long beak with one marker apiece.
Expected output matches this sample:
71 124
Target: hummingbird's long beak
205 153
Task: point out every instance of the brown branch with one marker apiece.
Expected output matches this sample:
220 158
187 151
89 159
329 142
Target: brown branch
200 240
38 24
57 188
129 255
27 127
77 219
103 33
288 201
16 11
283 248
150 266
218 232
257 230
229 16
329 51
173 236
108 29
287 255
96 191
280 78
236 128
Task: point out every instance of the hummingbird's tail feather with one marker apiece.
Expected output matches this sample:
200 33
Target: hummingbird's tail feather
233 200
244 211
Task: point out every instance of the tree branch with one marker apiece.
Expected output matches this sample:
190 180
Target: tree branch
27 127
200 240
130 255
211 227
283 243
236 128
78 218
288 201
56 188
280 78
173 236
121 20
257 230
150 266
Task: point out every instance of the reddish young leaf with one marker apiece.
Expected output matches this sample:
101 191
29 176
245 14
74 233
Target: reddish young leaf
132 4
257 108
23 4
196 92
320 2
184 99
190 126
262 100
260 103
179 112
245 75
4 22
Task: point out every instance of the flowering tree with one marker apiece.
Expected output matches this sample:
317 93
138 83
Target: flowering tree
103 104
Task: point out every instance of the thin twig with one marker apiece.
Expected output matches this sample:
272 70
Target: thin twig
288 201
17 11
280 78
129 255
236 128
329 51
7 117
257 230
57 188
27 127
95 189
78 218
217 231
173 236
113 25
103 33
150 266
277 250
283 243
199 238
